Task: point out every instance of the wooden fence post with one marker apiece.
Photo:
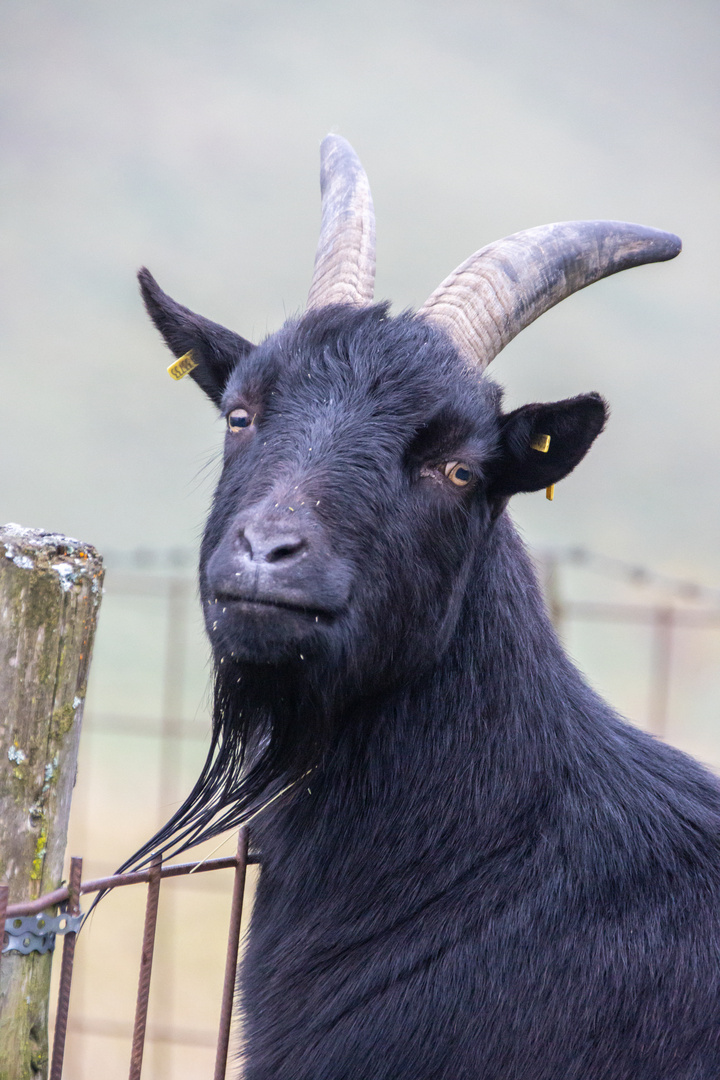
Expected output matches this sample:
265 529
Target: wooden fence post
50 590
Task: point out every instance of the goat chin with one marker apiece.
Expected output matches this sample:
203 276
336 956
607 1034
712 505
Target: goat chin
262 631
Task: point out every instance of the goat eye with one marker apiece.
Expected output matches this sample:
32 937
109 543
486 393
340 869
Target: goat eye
458 472
239 419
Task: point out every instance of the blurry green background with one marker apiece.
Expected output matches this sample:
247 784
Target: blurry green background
185 136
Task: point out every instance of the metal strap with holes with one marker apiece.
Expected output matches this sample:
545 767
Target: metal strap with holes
36 933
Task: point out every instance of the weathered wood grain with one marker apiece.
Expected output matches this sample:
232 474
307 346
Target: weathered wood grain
50 590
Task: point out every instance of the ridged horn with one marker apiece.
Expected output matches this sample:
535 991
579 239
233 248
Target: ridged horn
502 288
345 260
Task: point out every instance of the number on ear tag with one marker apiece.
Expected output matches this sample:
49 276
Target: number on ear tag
182 367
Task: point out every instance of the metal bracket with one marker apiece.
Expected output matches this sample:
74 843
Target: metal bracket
36 933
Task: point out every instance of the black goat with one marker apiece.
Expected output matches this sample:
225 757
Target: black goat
471 867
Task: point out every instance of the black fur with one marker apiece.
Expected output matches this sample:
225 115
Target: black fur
478 869
215 349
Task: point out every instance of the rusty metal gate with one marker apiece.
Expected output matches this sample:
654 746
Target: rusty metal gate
16 917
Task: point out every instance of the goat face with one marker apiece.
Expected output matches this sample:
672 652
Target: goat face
364 465
336 536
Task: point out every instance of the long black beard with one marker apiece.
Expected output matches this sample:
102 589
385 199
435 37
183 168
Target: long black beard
257 751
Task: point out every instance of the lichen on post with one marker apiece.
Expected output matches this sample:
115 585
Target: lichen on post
50 590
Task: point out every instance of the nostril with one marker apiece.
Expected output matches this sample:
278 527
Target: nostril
244 544
266 542
285 551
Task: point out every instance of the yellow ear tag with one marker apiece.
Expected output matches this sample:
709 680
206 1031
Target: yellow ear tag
542 443
182 367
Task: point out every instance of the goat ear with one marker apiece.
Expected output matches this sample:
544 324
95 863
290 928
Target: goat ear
572 427
215 350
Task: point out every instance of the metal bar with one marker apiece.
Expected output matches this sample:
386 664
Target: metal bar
174 870
232 955
146 959
4 894
58 896
66 973
170 760
34 907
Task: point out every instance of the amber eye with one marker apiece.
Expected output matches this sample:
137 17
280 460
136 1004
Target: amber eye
457 472
239 419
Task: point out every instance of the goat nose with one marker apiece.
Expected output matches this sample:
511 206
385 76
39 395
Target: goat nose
271 545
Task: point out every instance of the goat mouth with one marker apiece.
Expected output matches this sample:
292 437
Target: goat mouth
258 605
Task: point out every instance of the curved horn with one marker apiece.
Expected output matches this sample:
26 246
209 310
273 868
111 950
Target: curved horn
345 259
502 288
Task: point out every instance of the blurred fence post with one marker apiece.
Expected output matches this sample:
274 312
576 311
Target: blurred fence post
50 590
660 674
550 573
